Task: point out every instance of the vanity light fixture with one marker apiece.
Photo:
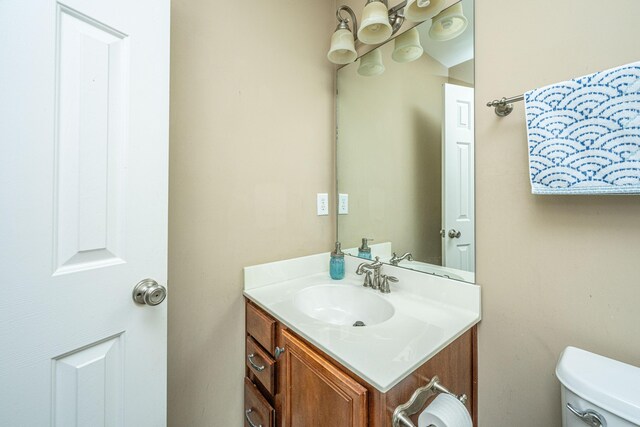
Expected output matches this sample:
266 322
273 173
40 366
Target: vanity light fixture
421 10
371 64
379 23
343 49
449 23
407 46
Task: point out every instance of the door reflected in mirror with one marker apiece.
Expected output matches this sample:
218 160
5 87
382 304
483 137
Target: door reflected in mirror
405 150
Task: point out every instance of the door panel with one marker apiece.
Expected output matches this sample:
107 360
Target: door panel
87 385
92 102
458 202
83 189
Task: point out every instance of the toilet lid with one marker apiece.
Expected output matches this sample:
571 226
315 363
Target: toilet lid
607 383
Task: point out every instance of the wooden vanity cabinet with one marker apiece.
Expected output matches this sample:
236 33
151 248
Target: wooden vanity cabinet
304 387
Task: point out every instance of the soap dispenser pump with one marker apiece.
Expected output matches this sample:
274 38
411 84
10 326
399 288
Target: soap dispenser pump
336 264
364 251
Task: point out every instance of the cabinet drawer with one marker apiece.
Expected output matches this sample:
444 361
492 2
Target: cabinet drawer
261 365
257 410
261 327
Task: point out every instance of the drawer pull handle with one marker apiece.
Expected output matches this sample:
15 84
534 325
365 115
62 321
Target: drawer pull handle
246 415
256 367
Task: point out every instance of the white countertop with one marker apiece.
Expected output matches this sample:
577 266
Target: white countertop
430 313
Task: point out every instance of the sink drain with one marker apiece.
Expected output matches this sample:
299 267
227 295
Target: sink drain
359 323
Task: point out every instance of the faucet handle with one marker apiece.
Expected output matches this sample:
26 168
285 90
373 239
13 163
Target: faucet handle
384 287
368 283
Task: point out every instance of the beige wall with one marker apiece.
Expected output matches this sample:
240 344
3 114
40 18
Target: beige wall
252 142
462 73
389 150
251 145
555 271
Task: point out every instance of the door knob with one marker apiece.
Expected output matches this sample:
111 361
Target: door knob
149 292
454 234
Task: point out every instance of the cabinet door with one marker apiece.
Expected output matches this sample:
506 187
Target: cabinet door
316 393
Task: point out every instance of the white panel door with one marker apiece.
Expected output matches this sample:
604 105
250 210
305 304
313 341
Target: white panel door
84 91
458 203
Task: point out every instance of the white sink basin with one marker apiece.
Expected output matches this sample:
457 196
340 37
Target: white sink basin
343 304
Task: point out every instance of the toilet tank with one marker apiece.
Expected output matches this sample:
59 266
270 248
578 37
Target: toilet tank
608 388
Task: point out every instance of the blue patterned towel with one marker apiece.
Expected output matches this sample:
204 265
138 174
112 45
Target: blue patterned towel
584 134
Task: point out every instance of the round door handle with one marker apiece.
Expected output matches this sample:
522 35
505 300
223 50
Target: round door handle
454 234
149 292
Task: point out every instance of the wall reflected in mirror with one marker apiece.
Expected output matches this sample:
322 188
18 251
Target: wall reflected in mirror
405 150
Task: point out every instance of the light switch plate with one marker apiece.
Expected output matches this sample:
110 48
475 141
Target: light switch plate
343 204
323 204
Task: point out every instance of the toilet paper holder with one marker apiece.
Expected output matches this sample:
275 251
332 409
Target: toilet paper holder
418 399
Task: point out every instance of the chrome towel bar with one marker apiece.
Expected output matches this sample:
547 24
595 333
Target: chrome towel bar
418 399
503 106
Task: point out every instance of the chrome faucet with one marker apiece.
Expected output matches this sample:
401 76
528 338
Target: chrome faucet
380 282
395 259
372 267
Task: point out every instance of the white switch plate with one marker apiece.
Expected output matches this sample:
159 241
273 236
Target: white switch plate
343 204
323 204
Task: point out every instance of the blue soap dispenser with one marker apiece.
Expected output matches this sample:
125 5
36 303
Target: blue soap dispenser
336 264
364 251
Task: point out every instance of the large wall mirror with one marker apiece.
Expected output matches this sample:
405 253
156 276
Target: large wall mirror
405 150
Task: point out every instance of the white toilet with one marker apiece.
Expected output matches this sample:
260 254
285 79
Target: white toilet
597 391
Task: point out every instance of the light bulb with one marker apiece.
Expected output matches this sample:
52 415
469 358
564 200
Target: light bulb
421 10
342 50
371 64
374 27
407 46
449 23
